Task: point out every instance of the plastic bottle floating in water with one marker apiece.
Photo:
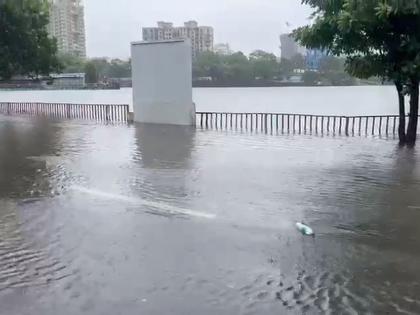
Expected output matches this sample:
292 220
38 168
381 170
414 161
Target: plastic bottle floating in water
304 229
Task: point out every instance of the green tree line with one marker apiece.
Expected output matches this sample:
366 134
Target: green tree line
260 65
96 69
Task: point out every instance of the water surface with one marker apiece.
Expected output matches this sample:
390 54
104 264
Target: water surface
116 219
353 100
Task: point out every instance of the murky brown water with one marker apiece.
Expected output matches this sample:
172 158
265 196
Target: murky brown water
161 220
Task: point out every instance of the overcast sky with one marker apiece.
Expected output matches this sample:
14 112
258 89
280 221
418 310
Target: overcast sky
245 24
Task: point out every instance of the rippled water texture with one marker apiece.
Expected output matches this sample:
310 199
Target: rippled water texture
118 219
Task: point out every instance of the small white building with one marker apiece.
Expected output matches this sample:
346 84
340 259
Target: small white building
162 82
68 81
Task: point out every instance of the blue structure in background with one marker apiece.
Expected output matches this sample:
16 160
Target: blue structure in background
313 59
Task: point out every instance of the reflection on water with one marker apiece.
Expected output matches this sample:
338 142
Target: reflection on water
164 146
169 220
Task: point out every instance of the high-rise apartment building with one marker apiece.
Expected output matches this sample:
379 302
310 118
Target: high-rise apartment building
67 25
289 47
202 37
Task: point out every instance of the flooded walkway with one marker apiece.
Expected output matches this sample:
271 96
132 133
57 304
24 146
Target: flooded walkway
165 220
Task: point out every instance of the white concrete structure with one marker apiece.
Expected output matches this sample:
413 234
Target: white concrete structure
67 25
162 82
201 37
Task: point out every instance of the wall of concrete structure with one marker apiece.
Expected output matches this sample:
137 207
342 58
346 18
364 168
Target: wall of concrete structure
162 82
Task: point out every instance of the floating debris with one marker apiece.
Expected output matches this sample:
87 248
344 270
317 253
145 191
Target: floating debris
304 229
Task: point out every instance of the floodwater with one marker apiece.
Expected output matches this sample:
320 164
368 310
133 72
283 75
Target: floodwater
117 219
353 100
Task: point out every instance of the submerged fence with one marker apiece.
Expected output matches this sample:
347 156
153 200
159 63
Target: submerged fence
253 122
300 123
96 112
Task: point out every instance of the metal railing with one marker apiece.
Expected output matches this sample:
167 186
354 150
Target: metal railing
300 123
254 122
97 112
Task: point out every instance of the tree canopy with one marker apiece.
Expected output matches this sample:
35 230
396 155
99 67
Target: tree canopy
25 47
105 68
378 38
237 68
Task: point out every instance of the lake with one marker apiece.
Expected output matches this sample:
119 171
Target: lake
142 219
355 100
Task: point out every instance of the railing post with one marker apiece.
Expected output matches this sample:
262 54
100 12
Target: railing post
373 126
340 125
310 124
328 124
282 123
266 122
380 125
300 125
347 126
395 125
8 108
107 113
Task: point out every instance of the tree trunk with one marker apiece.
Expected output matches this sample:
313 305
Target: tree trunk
401 102
414 112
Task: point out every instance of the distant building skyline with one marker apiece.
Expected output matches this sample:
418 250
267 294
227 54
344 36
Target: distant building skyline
201 37
222 49
67 25
289 47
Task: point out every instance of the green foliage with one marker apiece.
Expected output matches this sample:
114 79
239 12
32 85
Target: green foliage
71 63
91 73
105 68
311 78
379 38
298 62
25 48
333 72
264 64
209 64
238 68
260 65
119 68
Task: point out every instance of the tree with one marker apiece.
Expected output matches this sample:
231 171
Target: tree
102 67
264 64
238 68
209 64
119 69
311 78
379 38
298 62
333 71
25 47
91 73
286 67
71 63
